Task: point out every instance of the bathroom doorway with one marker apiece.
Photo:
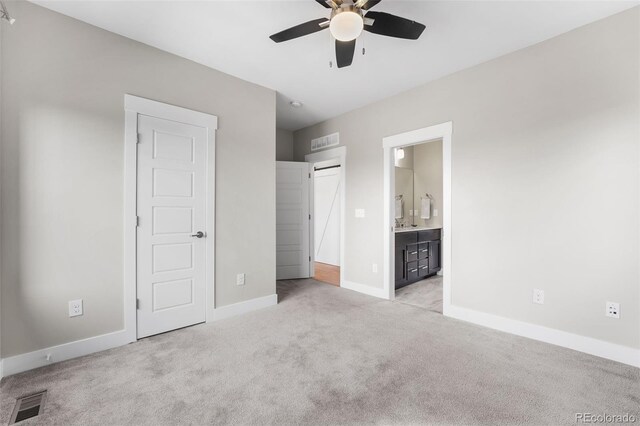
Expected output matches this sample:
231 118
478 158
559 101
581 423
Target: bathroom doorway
418 225
417 217
327 215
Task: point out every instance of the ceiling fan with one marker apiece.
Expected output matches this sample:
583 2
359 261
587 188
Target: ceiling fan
347 21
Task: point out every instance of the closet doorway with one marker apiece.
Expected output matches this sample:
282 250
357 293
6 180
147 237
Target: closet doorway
327 212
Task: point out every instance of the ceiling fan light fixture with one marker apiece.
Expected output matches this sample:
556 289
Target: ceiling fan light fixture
346 25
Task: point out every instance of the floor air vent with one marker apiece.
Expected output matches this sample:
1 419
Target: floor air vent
28 407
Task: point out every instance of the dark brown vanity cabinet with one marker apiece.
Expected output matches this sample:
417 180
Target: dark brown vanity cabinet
417 255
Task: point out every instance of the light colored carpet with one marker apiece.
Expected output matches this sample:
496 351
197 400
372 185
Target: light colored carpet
327 355
426 294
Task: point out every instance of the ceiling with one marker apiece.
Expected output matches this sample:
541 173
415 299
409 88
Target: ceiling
232 36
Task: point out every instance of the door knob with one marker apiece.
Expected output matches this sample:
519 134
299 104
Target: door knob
198 234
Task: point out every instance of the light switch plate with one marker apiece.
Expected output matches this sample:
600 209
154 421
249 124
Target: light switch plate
75 308
359 212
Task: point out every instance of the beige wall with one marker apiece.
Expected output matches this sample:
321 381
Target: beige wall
545 179
284 145
427 168
63 84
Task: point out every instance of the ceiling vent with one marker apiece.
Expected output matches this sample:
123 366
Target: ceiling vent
28 406
325 141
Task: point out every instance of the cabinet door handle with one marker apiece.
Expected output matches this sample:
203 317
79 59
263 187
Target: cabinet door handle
413 252
413 270
424 250
424 267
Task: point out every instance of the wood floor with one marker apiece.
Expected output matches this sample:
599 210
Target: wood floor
329 274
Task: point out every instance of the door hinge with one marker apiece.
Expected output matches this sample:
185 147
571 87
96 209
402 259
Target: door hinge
137 303
137 221
309 216
138 137
309 258
309 175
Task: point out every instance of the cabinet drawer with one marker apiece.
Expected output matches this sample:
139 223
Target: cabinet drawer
412 270
423 251
412 252
429 235
423 270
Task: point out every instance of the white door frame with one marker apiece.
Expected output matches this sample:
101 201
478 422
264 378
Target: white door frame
135 106
339 153
427 134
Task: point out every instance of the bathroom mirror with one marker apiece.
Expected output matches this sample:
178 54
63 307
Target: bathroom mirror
418 172
404 195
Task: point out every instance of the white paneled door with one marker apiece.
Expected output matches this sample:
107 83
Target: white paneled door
171 205
292 220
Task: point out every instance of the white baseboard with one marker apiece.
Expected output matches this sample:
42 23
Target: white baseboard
365 289
589 345
240 308
19 363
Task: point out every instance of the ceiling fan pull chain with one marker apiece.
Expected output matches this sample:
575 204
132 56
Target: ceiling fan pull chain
330 50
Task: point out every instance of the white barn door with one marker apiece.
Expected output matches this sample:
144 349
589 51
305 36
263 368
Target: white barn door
326 205
292 220
171 205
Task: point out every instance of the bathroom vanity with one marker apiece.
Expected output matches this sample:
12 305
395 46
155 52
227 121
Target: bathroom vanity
417 254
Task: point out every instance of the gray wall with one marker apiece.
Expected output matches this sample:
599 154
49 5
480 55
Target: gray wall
545 179
63 83
284 145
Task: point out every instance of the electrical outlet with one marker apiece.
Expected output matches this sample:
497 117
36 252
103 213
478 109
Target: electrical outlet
375 268
538 296
75 308
435 212
240 279
613 310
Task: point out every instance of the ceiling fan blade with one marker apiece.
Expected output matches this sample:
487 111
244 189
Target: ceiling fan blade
393 26
344 52
300 30
329 4
368 4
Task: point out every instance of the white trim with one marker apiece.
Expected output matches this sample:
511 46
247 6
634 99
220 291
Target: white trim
442 132
365 289
240 308
135 106
24 362
600 348
19 363
169 112
329 154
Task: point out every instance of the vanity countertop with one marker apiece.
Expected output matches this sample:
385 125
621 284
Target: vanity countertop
416 228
